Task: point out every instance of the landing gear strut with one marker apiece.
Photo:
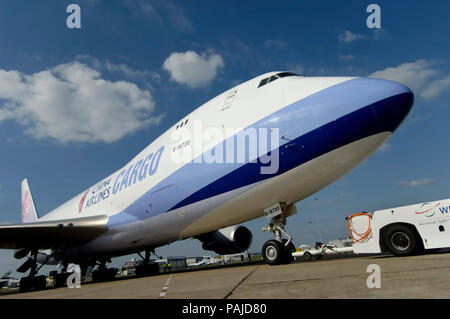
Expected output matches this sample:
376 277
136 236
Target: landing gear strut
278 251
146 268
102 273
33 282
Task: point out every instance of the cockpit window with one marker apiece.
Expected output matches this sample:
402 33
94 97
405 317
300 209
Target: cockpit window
275 77
263 82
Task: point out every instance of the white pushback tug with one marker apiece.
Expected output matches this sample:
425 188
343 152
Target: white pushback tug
403 231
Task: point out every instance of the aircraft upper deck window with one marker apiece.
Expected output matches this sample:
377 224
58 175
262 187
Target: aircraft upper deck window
285 74
181 124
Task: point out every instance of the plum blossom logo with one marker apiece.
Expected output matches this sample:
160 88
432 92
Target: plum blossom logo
26 206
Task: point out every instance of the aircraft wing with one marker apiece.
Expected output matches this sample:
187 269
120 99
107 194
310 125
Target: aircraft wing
52 234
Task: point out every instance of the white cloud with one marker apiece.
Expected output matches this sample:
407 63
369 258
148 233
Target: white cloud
347 36
437 87
72 103
192 69
421 76
416 182
415 75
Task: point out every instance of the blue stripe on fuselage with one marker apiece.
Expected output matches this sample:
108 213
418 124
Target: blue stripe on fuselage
348 112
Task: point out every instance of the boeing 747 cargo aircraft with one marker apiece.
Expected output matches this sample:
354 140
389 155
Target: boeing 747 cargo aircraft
252 151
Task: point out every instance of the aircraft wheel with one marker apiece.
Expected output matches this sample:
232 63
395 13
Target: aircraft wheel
39 283
61 279
101 275
287 257
112 273
96 276
25 284
273 252
32 283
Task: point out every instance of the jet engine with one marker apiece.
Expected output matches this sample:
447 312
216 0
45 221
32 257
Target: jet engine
229 240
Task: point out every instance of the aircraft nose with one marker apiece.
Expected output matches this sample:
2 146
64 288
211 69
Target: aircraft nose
392 110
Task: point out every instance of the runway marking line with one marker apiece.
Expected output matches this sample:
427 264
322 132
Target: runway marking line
163 292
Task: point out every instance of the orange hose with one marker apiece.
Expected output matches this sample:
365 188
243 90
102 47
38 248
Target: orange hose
351 231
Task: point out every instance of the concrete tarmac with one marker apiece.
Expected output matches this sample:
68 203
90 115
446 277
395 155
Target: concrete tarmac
423 276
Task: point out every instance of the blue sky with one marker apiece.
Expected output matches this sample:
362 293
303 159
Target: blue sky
171 57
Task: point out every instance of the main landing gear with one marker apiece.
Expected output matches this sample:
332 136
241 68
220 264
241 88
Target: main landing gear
102 273
32 282
61 278
278 251
146 268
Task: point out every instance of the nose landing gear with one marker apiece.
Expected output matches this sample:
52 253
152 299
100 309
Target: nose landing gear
278 251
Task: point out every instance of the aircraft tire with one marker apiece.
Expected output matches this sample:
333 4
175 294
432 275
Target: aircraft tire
25 284
39 282
104 275
112 273
96 276
60 280
32 283
273 252
287 257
